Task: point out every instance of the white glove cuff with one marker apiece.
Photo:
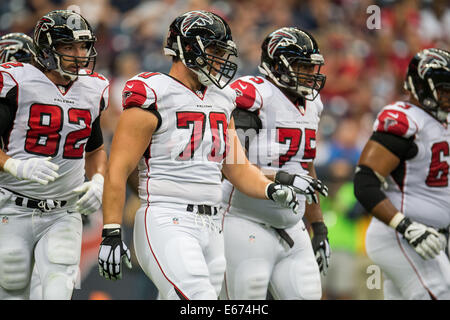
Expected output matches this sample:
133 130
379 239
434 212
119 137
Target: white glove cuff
10 166
111 226
98 177
266 191
396 219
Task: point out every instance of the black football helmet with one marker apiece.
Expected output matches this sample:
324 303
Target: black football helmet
202 40
59 27
15 47
286 53
428 80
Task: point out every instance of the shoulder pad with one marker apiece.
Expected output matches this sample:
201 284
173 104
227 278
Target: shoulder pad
10 72
136 93
396 119
249 92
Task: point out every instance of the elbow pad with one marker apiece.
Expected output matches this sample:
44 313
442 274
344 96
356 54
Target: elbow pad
367 187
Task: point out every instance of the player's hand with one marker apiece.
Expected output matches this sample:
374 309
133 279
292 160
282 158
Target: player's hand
303 184
321 246
39 170
427 241
112 251
92 192
284 196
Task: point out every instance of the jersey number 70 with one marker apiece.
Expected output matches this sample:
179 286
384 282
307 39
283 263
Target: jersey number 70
218 126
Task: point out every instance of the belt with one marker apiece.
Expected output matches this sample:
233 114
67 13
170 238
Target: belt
285 236
202 209
43 205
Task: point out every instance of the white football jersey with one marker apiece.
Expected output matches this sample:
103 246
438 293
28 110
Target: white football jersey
52 123
287 141
419 186
183 162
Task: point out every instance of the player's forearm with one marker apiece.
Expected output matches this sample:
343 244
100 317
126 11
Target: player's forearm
384 211
313 213
248 179
3 158
95 162
113 197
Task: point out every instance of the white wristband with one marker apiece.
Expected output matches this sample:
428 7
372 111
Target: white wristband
10 166
111 226
396 219
266 191
98 177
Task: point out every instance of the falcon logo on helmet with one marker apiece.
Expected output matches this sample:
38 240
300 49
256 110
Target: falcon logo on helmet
15 47
194 18
430 60
280 38
43 25
9 42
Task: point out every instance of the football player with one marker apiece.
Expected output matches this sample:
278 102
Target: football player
402 180
51 137
277 117
179 126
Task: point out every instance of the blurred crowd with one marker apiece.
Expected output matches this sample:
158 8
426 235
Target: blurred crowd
364 67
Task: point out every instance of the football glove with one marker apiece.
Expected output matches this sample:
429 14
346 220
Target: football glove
321 246
303 184
92 192
39 170
112 252
284 196
425 240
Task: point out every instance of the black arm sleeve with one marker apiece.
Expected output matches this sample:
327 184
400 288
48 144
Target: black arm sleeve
96 138
8 108
6 117
367 188
246 120
403 148
247 125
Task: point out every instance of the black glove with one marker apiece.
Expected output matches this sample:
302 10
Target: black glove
112 251
303 184
321 246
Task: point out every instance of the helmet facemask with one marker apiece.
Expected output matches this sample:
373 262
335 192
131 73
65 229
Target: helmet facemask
79 62
211 60
299 75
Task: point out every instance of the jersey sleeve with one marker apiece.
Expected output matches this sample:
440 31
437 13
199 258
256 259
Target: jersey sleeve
319 105
396 122
247 95
138 94
7 82
104 100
